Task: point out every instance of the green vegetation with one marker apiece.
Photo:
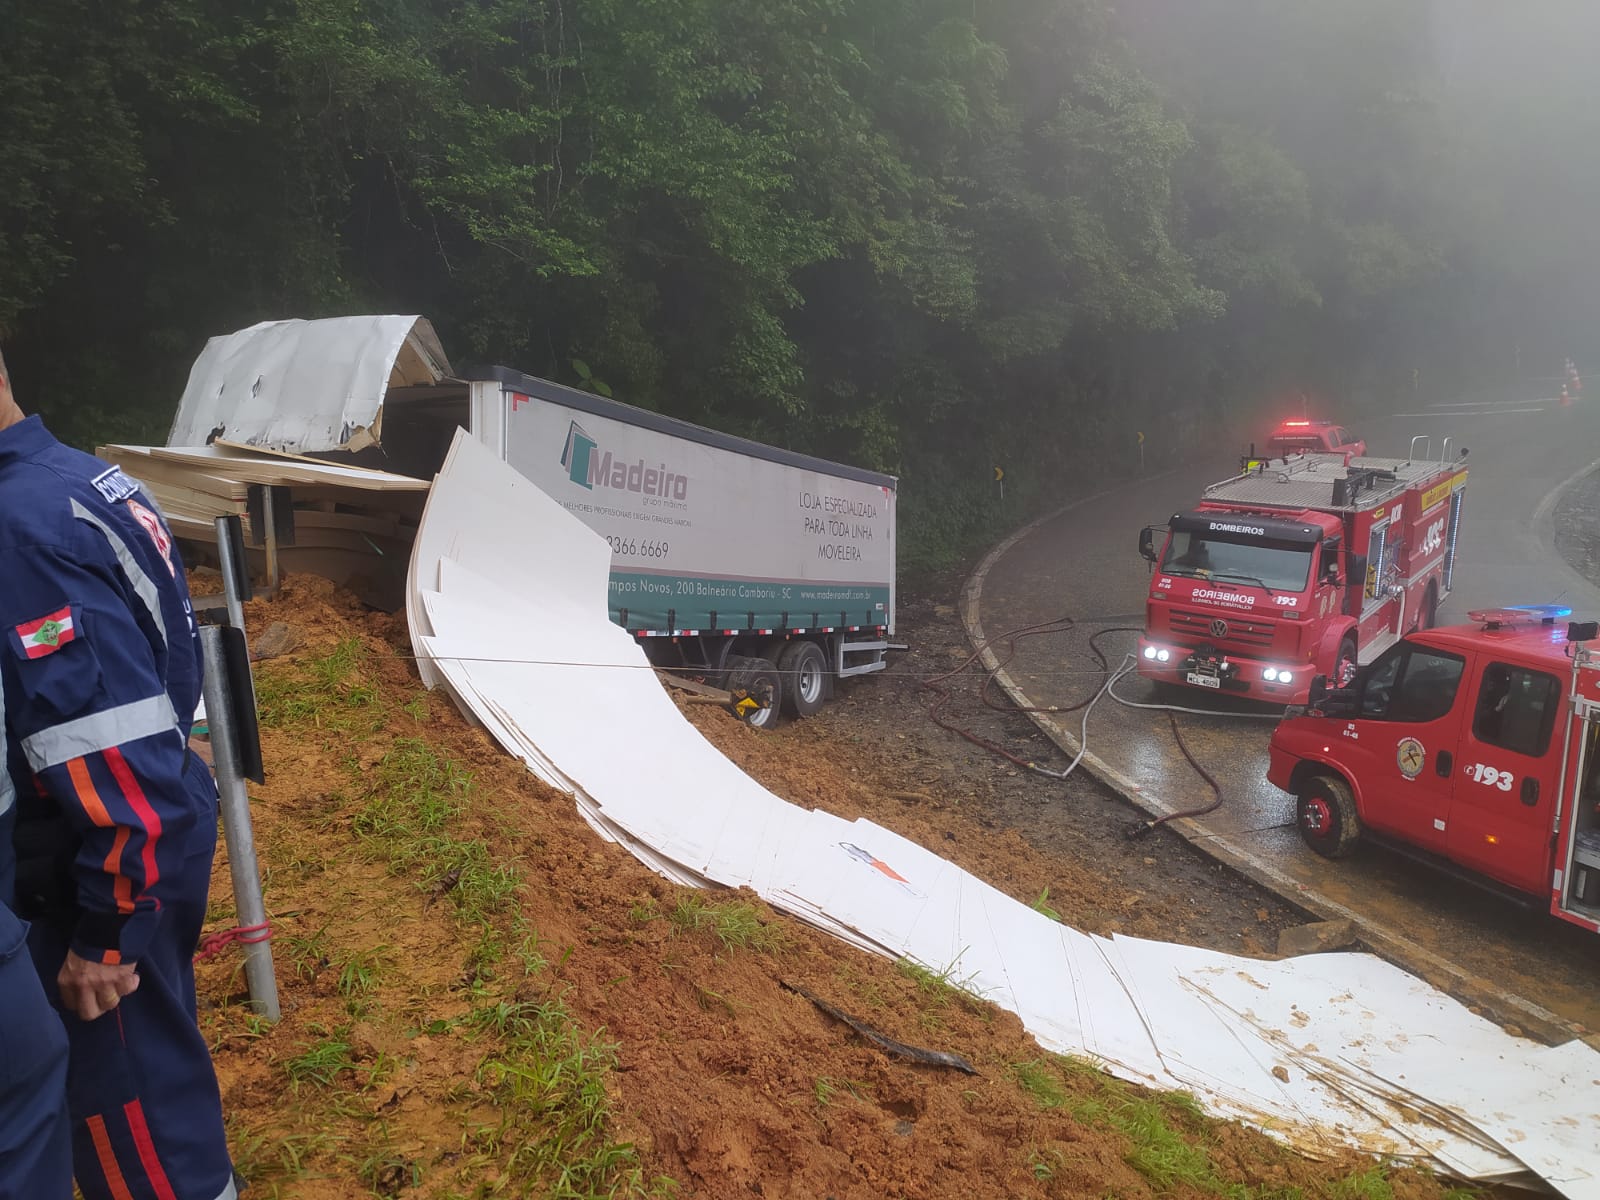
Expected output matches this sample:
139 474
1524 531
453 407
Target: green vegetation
940 988
1042 905
1168 1135
332 693
931 238
548 1078
321 1063
736 924
542 1077
827 1089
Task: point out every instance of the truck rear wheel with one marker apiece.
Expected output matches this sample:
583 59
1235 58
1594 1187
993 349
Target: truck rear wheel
1326 815
805 677
759 680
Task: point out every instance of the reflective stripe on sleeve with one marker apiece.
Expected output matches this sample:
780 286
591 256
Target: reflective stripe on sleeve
143 585
8 790
100 731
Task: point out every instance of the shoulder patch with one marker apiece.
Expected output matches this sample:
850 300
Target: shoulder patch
157 529
46 634
114 485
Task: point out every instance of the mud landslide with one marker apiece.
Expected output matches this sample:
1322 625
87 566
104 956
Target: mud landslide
484 998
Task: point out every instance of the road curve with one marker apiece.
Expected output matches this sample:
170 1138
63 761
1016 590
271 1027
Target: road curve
1526 968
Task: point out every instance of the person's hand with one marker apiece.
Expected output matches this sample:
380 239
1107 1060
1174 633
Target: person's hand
92 989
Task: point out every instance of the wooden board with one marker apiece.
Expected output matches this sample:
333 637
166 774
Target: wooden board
251 466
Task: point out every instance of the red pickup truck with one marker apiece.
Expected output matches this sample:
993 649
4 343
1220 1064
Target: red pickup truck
1309 436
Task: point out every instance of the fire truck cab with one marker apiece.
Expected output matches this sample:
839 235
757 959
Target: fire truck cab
1299 568
1475 747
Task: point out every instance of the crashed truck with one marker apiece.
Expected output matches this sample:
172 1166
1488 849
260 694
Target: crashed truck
756 568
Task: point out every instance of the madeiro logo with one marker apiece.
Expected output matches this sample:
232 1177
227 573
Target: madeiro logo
1223 597
587 466
1225 527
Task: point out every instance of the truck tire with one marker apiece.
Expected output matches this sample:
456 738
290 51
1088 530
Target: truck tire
805 677
758 679
1344 663
1326 816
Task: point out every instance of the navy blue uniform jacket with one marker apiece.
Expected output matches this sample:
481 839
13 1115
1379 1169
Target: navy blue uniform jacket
101 676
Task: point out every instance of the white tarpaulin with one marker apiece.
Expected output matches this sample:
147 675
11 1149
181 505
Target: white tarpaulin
1326 1052
308 387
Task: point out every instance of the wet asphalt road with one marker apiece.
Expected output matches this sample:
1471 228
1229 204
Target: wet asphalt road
1084 564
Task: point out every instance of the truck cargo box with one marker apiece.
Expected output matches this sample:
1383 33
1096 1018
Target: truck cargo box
708 532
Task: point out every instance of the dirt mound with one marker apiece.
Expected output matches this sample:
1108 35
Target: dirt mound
482 997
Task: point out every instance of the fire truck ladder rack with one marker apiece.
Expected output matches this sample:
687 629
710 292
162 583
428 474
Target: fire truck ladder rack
1324 482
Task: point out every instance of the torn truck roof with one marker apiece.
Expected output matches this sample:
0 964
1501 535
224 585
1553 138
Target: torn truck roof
308 387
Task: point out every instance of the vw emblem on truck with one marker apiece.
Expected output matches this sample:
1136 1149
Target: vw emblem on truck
1219 628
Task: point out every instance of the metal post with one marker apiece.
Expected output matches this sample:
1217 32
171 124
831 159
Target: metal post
235 803
270 537
227 549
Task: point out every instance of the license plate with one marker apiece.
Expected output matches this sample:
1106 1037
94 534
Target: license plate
1210 681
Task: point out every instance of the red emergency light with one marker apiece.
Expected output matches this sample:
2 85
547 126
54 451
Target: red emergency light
1296 424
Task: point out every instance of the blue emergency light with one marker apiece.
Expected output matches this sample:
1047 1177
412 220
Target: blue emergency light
1514 614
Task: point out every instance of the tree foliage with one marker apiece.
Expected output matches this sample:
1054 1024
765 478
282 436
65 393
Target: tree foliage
928 236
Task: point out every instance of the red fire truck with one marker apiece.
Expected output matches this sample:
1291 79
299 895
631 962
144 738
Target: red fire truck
1476 747
1299 567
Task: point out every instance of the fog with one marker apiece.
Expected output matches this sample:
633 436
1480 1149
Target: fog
1470 126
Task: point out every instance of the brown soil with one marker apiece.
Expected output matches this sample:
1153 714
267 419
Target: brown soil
724 1081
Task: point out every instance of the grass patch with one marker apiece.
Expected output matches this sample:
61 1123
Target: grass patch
541 1076
414 797
1166 1133
941 988
309 953
359 972
271 1159
549 1080
331 692
1042 905
1370 1184
827 1088
736 924
1041 1082
321 1063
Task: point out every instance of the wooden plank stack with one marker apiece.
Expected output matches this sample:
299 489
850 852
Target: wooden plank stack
351 524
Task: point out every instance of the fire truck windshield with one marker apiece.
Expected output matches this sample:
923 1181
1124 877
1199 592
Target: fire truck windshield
1276 565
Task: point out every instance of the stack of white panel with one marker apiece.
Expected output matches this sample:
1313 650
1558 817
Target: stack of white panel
508 609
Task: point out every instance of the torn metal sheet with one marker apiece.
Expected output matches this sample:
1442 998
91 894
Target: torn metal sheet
305 387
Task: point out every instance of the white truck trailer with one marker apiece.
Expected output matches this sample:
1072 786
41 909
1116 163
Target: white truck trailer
759 568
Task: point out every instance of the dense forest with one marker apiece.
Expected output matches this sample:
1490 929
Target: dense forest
927 236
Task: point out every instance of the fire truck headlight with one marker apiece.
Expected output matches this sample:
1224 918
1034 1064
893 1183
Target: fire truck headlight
1277 675
1163 655
1149 651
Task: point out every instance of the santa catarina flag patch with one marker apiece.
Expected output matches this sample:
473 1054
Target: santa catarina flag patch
46 634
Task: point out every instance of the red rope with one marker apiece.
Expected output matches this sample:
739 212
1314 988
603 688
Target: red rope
246 935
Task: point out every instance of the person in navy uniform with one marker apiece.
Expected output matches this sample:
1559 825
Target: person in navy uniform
115 820
35 1142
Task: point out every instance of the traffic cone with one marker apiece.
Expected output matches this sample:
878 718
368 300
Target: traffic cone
1577 384
1566 400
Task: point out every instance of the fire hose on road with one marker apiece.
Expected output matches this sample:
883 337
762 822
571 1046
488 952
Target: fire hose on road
1109 679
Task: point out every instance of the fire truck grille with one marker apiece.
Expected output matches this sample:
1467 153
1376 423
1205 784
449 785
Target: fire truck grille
1242 631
